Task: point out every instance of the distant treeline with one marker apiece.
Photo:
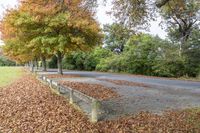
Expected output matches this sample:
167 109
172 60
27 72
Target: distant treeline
142 54
6 62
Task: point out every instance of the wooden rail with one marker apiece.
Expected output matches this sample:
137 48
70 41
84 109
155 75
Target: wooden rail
94 103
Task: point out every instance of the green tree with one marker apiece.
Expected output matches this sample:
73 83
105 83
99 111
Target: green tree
181 16
85 60
133 14
143 52
6 62
116 36
192 54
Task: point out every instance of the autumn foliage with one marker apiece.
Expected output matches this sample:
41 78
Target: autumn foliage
44 28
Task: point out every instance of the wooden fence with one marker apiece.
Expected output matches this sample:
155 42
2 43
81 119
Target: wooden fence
72 94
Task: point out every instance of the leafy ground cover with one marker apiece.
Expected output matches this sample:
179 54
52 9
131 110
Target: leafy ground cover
62 76
94 90
9 74
124 82
28 106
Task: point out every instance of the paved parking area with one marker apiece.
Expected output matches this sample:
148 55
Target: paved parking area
160 95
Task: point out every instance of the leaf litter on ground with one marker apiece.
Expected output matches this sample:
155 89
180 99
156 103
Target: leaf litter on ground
28 106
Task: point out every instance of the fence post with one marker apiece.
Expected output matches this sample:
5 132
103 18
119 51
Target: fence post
71 99
51 84
44 78
58 87
95 107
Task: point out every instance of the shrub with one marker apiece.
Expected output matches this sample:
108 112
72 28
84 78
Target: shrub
52 63
85 60
6 62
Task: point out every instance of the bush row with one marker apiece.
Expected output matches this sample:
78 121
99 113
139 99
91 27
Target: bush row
6 62
143 54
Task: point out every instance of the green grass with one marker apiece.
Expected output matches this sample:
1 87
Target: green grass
9 74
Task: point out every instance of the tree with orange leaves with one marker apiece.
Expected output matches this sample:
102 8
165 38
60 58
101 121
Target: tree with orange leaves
47 27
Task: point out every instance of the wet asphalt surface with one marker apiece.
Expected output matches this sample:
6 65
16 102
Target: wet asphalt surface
161 95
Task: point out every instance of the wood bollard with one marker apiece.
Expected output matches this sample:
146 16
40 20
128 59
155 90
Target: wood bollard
95 108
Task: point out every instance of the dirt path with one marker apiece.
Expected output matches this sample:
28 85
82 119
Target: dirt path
27 106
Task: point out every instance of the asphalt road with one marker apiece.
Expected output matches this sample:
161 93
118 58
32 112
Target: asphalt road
162 94
150 80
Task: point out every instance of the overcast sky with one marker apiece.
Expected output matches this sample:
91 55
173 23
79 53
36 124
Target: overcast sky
102 17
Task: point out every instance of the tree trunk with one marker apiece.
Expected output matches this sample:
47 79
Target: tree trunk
59 62
36 63
44 65
183 41
29 65
32 66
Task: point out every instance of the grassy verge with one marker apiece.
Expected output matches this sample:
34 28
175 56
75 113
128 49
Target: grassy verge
9 74
197 79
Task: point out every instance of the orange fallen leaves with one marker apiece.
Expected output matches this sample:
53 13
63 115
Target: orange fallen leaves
61 76
94 90
127 83
28 106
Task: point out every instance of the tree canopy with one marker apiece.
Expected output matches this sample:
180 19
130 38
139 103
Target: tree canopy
62 26
67 29
181 17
